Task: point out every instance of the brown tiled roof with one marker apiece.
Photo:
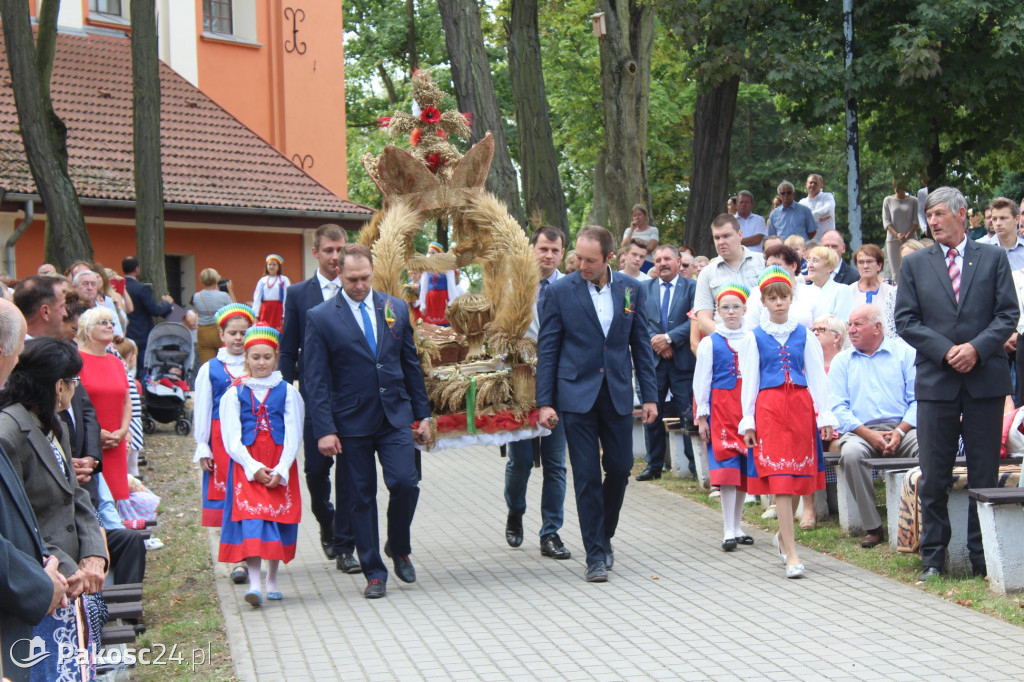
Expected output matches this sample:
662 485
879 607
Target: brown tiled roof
210 158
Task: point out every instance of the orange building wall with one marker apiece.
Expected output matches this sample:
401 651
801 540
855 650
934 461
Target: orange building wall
236 255
294 101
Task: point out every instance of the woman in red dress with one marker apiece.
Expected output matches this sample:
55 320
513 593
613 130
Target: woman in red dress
106 382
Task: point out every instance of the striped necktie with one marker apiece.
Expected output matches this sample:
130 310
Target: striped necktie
954 273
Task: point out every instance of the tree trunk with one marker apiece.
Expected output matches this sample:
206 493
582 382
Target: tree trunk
625 93
543 200
410 39
709 178
599 206
474 91
66 237
149 191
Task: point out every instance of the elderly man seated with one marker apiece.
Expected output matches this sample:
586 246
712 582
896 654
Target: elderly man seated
872 385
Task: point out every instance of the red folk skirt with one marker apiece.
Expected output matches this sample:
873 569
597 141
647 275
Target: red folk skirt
727 453
271 314
788 458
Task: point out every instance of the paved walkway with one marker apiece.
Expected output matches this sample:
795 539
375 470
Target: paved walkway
676 607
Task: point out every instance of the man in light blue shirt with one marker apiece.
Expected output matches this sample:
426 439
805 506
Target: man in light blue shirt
872 386
791 217
1004 221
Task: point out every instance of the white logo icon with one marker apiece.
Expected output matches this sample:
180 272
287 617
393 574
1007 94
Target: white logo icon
36 652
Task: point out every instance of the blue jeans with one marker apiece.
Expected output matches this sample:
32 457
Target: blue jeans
517 475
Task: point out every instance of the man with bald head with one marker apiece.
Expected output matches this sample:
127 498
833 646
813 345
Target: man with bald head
872 386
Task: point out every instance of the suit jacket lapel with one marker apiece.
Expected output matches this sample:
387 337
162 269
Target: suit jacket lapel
942 271
583 292
45 452
619 302
348 318
677 300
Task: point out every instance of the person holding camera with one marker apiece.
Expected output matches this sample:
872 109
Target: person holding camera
215 294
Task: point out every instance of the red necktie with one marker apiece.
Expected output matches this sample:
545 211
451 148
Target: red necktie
954 273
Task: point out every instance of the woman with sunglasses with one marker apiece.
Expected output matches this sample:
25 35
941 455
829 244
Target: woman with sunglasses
105 380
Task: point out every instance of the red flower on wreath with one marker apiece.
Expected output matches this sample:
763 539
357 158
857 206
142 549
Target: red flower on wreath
434 162
430 115
383 121
414 137
441 133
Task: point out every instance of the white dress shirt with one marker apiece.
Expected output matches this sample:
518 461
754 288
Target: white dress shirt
328 287
602 299
370 309
822 205
667 292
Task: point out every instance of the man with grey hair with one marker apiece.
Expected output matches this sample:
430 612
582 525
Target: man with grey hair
872 387
791 217
752 225
821 203
956 306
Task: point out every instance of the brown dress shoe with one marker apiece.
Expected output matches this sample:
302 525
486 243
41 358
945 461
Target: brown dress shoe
872 538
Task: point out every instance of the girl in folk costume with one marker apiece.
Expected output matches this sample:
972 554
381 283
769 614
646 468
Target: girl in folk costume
212 382
268 299
261 428
716 391
785 402
437 290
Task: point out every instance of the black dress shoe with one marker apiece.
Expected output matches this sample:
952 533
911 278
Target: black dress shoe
552 546
979 571
929 573
404 569
347 563
327 543
514 530
375 589
745 540
729 545
596 573
648 474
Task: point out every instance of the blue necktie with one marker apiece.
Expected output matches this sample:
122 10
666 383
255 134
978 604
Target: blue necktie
544 284
665 296
368 328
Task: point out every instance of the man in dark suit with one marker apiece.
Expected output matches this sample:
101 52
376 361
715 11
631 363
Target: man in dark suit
30 584
669 297
335 525
956 305
845 273
366 389
592 324
140 320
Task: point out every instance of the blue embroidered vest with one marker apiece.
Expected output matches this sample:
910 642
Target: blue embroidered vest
220 381
725 367
274 413
780 362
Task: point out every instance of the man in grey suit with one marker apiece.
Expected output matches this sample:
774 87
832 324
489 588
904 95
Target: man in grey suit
956 306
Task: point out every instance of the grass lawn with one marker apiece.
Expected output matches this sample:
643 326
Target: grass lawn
882 559
180 605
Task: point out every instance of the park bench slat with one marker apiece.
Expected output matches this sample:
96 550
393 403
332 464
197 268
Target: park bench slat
998 495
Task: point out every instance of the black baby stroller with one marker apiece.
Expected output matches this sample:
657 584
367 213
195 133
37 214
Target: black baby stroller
170 357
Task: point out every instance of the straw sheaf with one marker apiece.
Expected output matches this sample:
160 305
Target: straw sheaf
371 230
399 221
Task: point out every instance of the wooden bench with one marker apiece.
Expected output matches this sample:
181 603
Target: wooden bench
123 601
1002 534
675 452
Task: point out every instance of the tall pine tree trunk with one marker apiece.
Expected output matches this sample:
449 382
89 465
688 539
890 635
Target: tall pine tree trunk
709 179
149 190
542 188
625 92
42 132
474 91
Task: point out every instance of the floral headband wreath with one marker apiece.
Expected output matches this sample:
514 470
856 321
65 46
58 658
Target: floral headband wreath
774 275
274 256
733 289
260 335
233 310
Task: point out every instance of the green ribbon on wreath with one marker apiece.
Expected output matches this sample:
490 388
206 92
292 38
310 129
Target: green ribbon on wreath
471 406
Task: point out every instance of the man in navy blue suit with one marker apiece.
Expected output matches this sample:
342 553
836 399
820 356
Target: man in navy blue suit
335 525
366 390
140 320
592 324
669 297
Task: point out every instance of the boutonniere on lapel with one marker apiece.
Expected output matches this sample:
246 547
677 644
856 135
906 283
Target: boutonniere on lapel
630 305
389 316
